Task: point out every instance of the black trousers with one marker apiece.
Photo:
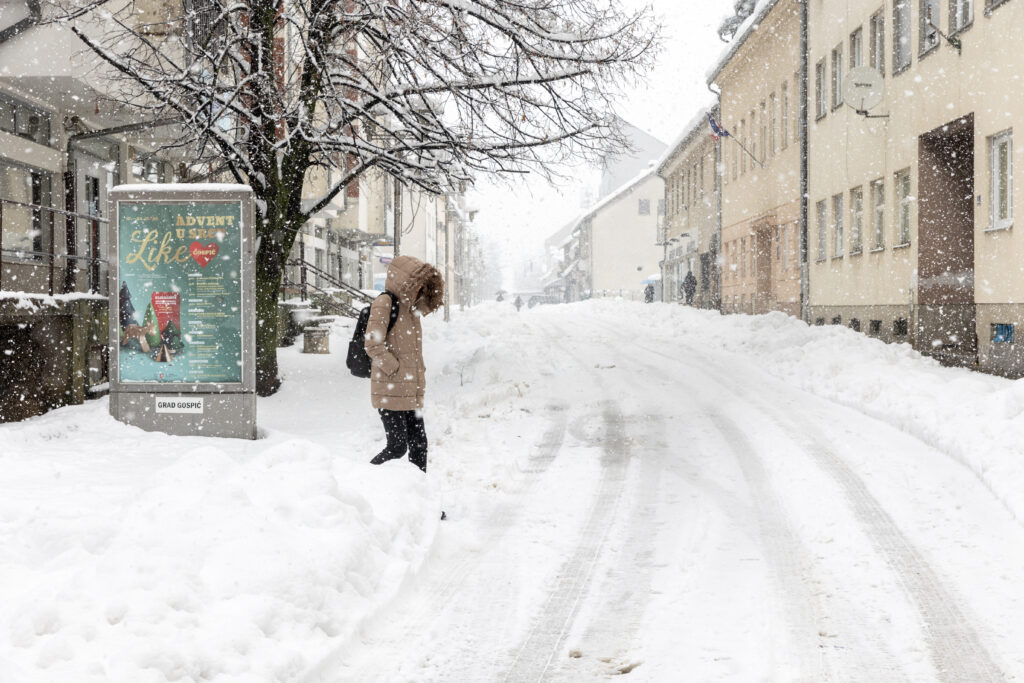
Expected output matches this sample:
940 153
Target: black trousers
405 432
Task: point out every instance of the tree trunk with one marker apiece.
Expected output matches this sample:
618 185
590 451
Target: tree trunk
268 285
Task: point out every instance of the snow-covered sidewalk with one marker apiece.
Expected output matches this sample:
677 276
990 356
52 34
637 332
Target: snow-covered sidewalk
131 556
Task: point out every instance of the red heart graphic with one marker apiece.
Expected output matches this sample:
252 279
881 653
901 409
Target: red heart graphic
203 254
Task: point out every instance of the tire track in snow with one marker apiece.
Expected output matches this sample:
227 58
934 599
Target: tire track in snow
782 547
955 648
534 658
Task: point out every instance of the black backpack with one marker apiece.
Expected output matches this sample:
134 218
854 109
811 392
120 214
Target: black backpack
358 360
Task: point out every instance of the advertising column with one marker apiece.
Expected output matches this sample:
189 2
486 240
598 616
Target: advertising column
182 319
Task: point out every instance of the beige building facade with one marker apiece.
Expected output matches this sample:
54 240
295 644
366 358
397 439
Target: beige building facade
690 232
911 213
758 79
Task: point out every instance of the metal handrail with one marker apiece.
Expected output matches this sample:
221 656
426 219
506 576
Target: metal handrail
353 291
345 309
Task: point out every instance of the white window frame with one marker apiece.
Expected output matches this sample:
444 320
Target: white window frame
837 225
785 115
857 220
1001 189
837 76
901 50
857 47
904 196
878 214
877 38
929 34
821 212
820 90
961 15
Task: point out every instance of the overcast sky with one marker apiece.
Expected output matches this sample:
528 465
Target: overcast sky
519 219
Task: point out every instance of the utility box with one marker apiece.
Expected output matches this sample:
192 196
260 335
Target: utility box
182 309
316 340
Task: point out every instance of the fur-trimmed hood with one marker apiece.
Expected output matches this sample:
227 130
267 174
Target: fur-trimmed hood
418 285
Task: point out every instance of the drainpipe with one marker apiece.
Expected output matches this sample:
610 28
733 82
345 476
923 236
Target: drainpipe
805 285
716 269
71 191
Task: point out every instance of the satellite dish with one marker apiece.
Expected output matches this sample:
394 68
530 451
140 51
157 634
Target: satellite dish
863 88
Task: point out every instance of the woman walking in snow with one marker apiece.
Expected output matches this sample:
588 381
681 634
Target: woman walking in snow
398 377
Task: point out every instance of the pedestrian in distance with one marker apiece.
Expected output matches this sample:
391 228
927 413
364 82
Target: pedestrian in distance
518 302
649 294
398 375
689 287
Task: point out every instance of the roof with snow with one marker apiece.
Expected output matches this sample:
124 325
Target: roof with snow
746 29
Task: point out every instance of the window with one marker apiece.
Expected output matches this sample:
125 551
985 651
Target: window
1001 158
930 21
857 48
772 141
900 35
645 207
837 217
856 219
878 42
819 89
899 327
736 154
753 138
878 214
855 324
24 121
743 144
778 244
743 257
837 320
903 200
819 321
764 133
874 327
1002 333
661 206
961 14
785 247
822 229
837 76
785 115
25 229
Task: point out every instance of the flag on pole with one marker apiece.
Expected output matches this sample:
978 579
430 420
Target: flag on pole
716 130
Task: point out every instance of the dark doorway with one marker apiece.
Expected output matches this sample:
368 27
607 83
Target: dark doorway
946 314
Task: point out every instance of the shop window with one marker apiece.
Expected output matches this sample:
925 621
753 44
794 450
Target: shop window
1002 333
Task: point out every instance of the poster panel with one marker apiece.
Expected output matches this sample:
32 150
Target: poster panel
180 292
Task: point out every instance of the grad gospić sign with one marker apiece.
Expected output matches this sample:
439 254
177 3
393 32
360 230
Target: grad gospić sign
182 296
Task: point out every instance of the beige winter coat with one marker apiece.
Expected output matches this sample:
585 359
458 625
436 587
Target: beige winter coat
398 377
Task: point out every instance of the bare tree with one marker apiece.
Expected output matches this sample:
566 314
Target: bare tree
430 92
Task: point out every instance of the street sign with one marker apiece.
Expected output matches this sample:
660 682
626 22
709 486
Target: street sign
385 259
182 319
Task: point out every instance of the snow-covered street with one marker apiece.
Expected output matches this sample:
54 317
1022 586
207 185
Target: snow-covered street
632 489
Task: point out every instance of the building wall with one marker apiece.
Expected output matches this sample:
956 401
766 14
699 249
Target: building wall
692 215
624 249
940 93
760 167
